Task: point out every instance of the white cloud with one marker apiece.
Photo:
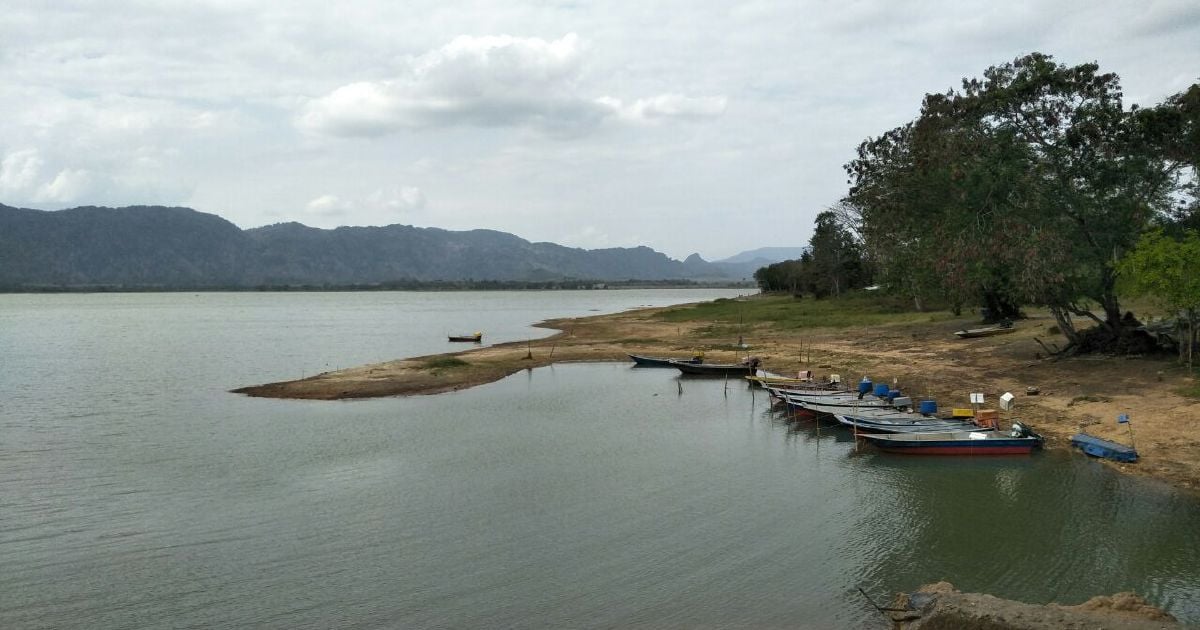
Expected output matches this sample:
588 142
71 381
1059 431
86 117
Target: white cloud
667 106
489 81
380 206
19 172
327 206
68 186
400 200
23 177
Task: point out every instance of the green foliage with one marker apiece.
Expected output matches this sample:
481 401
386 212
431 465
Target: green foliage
791 276
836 261
832 264
1165 269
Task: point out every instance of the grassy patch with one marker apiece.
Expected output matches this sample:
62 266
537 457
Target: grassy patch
639 341
717 331
438 363
785 312
1191 391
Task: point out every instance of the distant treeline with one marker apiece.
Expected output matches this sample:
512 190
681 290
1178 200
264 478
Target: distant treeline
400 285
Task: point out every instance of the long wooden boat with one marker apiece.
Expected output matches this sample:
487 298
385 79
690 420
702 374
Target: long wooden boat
1020 441
643 361
1099 447
714 369
475 338
783 393
983 332
789 382
833 404
904 423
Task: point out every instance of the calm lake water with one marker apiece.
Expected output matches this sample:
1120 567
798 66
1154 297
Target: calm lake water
136 492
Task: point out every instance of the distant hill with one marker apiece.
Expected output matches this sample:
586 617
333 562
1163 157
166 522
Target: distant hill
768 254
160 247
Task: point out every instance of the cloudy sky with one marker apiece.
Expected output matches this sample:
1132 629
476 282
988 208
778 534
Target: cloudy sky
687 126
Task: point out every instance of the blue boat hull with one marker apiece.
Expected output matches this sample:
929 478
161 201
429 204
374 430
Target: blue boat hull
1097 447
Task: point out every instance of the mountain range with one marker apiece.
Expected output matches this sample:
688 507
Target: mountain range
155 247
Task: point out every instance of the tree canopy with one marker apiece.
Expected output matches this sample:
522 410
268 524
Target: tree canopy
1025 186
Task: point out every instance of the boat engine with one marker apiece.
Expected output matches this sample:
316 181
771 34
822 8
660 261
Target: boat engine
1020 430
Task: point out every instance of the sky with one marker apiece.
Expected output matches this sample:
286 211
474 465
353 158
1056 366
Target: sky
704 127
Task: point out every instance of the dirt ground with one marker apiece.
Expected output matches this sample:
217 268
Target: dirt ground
925 359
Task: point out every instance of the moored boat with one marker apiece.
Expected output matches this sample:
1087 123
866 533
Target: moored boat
839 404
1020 441
476 337
805 384
644 361
1099 447
783 393
904 423
716 369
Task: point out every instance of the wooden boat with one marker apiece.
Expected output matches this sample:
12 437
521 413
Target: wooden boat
1097 447
715 369
475 338
971 333
642 361
835 403
768 380
1020 441
915 424
782 393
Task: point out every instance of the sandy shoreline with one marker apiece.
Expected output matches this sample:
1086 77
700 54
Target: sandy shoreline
925 358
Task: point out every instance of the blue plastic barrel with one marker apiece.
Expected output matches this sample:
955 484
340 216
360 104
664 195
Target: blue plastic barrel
882 389
893 394
928 407
864 385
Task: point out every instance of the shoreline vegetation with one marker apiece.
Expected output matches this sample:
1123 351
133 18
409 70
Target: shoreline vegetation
854 336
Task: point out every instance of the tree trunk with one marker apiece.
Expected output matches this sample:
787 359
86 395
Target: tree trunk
1066 325
1108 300
1191 337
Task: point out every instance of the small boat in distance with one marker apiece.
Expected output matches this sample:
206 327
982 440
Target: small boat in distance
643 361
474 338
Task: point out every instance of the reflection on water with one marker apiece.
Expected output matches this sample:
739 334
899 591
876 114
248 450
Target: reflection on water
135 492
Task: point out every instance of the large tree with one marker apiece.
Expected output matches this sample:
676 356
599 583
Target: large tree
836 263
1023 187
